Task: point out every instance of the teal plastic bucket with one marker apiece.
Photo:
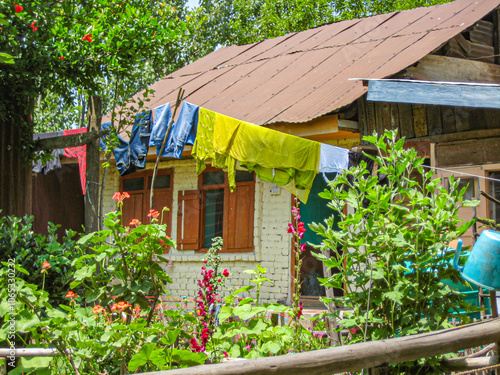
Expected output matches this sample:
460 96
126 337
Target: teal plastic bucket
482 268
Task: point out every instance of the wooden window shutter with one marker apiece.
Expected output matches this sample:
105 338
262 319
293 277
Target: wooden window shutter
133 209
240 218
188 220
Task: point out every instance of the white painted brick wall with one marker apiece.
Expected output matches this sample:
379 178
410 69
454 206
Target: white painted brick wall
272 245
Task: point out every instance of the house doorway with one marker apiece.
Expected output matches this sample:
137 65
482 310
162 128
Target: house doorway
315 210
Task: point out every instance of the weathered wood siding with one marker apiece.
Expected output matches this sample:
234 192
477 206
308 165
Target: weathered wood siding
422 121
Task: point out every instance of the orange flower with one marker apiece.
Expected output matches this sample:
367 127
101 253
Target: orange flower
45 265
134 222
98 309
153 213
120 196
120 306
71 294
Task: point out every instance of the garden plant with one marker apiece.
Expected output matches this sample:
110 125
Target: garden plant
97 301
395 231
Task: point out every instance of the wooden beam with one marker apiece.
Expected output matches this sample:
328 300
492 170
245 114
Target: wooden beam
321 129
72 140
468 152
357 356
461 136
465 364
435 93
452 69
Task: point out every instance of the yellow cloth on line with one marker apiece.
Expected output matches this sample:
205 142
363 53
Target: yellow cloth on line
283 159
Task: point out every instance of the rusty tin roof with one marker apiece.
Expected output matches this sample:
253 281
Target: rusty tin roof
304 75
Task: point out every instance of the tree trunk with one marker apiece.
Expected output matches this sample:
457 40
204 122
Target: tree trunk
15 171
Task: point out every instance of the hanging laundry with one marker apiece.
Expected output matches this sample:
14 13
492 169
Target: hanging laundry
53 163
355 158
203 147
182 133
333 159
279 158
79 152
131 156
163 115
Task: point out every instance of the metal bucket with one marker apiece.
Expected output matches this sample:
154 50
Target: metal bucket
483 265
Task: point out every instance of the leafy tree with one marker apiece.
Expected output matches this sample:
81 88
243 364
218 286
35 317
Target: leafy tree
64 50
228 22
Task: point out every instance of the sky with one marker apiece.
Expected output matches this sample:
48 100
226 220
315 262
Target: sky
192 3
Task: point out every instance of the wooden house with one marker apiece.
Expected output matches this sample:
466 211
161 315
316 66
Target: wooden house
305 84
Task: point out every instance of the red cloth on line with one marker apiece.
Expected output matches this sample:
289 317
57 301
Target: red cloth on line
79 152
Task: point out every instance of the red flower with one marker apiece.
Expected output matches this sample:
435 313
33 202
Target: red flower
225 273
98 309
19 8
120 196
71 294
45 265
153 213
134 222
88 38
61 57
120 306
291 229
33 27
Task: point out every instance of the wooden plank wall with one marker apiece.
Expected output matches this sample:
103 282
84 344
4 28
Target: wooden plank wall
422 121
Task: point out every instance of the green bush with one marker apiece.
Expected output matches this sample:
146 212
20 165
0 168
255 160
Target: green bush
30 250
394 237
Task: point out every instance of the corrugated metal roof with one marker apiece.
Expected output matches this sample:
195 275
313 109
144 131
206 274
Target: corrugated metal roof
304 75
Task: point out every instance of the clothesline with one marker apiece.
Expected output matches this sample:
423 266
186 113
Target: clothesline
283 159
463 173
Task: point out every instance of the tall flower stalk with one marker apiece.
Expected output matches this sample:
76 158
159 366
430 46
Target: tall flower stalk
210 284
296 228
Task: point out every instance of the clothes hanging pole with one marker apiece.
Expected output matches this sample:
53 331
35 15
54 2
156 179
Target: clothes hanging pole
180 95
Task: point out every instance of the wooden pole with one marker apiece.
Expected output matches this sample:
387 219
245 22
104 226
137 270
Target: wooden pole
92 189
357 356
180 95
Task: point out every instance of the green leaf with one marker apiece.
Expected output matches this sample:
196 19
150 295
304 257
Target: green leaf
5 58
393 295
188 358
85 272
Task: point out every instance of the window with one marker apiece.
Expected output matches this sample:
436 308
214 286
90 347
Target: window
213 211
495 193
471 185
138 185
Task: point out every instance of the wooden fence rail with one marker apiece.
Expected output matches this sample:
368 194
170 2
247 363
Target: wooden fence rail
357 356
